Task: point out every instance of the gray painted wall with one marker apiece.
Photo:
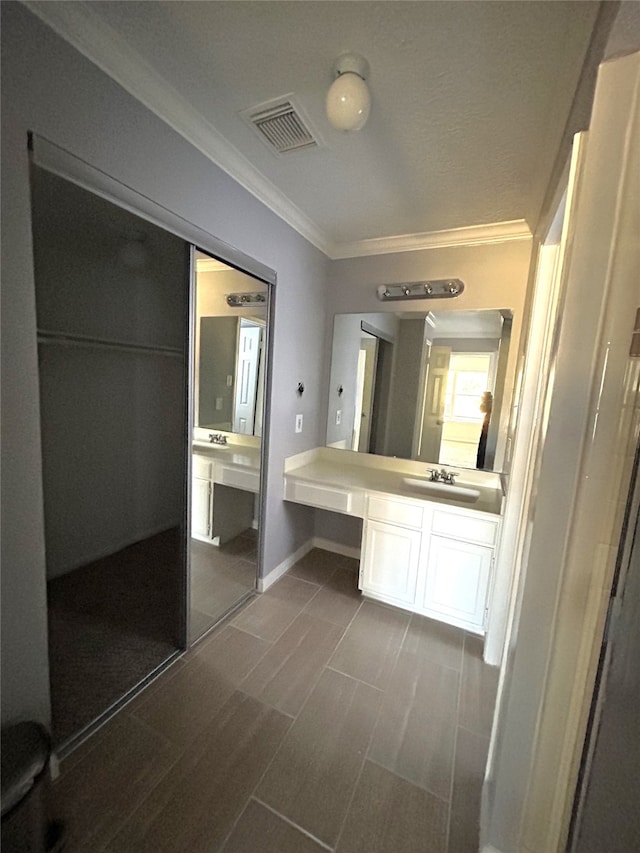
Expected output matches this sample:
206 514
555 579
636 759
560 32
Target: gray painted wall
343 529
47 87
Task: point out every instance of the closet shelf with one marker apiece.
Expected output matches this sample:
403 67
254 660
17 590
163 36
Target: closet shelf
65 339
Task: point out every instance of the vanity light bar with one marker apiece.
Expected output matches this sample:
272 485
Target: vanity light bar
442 288
246 300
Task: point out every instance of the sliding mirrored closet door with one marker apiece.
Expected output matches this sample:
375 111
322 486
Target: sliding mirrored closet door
154 384
228 385
112 297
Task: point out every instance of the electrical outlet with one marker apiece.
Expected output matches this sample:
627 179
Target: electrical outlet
218 404
338 417
298 423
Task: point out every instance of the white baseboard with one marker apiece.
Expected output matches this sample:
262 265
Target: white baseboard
315 542
283 567
489 848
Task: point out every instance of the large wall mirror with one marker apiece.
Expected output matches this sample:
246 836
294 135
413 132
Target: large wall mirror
432 386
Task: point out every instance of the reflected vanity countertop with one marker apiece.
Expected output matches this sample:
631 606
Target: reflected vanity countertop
364 472
232 454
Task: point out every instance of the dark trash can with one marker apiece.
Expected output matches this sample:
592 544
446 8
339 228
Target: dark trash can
26 749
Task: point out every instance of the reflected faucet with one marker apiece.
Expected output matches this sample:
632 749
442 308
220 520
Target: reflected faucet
442 476
217 438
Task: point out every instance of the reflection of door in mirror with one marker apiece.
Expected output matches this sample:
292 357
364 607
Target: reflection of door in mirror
247 371
373 384
366 382
434 403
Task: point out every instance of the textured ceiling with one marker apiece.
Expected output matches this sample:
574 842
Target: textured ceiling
469 99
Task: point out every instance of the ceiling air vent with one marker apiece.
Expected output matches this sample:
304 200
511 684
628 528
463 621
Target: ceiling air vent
281 126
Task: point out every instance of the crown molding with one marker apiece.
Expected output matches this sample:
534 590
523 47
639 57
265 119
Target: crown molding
81 27
473 235
78 25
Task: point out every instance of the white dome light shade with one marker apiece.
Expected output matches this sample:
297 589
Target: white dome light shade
348 102
348 99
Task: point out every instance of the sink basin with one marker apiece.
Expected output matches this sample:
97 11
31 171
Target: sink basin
442 490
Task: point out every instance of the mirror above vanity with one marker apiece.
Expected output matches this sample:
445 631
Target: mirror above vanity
430 386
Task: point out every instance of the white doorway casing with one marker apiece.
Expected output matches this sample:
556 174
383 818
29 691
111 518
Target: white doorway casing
592 422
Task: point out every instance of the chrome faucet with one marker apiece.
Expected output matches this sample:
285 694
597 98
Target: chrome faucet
217 438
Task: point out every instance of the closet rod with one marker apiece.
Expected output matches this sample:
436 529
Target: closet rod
64 339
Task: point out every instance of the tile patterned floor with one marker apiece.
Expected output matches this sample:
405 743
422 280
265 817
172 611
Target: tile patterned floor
313 720
220 577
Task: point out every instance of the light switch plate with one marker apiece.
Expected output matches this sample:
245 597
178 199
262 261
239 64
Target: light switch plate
298 423
338 417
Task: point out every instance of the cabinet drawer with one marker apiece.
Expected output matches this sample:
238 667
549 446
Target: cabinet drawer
240 478
405 513
201 467
326 497
464 527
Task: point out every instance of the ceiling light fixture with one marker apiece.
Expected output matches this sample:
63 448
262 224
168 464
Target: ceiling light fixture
445 288
348 99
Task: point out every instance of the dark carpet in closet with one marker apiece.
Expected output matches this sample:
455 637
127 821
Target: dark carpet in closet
111 623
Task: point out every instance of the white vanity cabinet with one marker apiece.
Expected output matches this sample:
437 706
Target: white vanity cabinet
431 559
459 565
222 499
201 497
391 542
457 582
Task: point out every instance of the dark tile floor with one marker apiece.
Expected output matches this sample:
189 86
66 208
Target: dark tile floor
313 720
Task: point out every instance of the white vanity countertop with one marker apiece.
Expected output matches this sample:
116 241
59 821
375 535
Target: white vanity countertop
328 467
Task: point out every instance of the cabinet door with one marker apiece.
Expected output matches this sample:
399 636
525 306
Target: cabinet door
390 561
201 508
457 581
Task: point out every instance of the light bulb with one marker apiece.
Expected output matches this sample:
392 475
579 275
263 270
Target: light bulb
348 102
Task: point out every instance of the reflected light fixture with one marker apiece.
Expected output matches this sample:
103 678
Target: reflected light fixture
246 300
443 288
348 99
